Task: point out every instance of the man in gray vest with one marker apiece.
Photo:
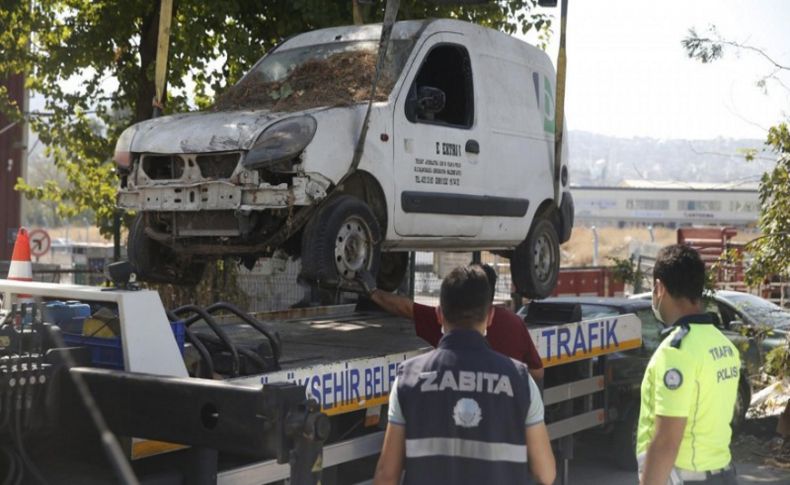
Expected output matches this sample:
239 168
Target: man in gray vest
463 413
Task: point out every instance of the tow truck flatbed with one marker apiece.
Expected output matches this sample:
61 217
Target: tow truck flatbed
343 359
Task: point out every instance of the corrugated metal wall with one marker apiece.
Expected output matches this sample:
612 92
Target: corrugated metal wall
12 151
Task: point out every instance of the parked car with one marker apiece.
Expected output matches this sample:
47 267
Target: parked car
746 319
627 370
459 156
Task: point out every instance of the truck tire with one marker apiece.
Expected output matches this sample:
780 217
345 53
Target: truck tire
156 263
535 265
341 239
624 441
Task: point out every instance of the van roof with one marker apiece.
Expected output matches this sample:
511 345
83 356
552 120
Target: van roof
505 44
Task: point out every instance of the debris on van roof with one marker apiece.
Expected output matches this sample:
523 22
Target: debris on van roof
339 80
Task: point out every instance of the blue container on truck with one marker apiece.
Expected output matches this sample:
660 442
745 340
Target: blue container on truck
68 315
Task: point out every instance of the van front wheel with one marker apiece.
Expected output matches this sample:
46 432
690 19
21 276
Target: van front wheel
535 265
340 241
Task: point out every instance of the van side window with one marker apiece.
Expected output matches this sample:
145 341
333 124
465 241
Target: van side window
448 70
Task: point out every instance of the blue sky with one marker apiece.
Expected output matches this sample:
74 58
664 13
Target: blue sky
629 76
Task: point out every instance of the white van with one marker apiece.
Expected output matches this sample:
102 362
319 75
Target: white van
459 156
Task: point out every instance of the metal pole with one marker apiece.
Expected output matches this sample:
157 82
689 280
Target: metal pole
559 105
163 45
412 274
595 246
116 236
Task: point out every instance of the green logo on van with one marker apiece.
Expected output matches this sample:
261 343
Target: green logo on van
549 124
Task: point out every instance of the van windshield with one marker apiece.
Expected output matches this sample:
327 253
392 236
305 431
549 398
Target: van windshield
333 74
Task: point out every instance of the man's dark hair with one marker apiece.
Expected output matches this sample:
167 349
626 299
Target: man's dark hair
490 274
465 297
681 270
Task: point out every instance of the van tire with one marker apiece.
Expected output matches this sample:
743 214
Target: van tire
342 238
392 270
155 263
535 265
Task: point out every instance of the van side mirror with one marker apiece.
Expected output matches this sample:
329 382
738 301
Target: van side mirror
430 100
737 325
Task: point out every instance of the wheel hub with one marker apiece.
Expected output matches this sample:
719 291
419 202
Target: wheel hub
544 258
352 248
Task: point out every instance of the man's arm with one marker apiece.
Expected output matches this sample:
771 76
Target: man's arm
663 450
536 374
539 454
392 303
393 452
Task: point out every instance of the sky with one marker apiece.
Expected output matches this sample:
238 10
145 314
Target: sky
628 75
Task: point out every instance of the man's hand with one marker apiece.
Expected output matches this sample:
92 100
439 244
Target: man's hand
367 281
364 284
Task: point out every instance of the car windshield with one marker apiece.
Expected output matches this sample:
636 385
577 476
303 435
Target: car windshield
333 74
759 310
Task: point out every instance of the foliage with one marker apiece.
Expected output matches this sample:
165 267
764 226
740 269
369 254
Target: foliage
777 362
93 62
771 252
628 271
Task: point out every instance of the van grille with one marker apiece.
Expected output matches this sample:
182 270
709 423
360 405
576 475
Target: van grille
163 167
217 165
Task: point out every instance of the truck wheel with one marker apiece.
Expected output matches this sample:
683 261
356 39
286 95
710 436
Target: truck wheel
624 441
156 263
392 269
339 241
535 264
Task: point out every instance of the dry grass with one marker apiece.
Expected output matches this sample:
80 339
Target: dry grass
613 243
339 80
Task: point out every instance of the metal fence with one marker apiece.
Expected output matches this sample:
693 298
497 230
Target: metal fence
431 267
272 286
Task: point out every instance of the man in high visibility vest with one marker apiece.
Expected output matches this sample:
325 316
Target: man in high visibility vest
690 384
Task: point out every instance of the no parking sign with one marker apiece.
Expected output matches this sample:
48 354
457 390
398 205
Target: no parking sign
39 242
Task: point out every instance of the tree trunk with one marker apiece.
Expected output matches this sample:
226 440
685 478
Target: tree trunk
146 90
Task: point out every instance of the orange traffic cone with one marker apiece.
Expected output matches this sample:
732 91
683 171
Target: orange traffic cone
21 268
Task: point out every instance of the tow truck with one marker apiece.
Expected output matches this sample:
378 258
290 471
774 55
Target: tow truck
243 399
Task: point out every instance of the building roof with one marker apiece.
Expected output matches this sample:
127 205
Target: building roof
674 184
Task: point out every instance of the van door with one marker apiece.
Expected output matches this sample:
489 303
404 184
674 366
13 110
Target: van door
438 162
521 137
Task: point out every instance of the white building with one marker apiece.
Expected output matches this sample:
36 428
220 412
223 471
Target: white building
640 202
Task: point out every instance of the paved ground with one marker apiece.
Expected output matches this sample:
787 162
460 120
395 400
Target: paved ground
590 467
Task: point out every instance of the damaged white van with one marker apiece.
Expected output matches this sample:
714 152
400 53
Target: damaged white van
458 156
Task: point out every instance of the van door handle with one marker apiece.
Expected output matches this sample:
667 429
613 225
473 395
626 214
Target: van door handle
472 146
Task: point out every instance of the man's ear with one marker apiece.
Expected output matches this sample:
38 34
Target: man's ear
490 318
658 287
440 315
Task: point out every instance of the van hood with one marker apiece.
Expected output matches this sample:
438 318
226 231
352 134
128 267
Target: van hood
203 131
